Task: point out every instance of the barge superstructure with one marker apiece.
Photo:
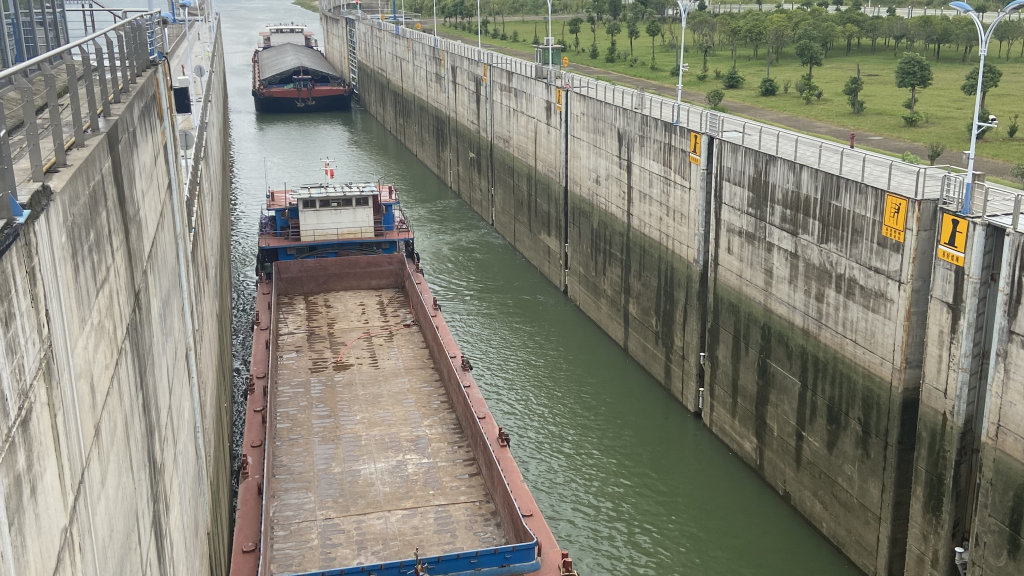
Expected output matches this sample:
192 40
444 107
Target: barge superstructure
290 74
368 446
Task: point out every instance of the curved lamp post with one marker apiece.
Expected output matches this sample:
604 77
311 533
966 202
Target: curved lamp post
984 37
684 9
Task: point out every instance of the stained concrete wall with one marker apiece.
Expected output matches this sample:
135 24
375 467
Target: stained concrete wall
100 466
815 344
813 325
969 466
998 536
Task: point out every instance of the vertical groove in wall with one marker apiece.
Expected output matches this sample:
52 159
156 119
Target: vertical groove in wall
703 297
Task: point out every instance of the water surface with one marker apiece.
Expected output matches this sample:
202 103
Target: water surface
630 482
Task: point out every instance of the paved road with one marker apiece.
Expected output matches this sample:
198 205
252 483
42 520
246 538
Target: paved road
990 167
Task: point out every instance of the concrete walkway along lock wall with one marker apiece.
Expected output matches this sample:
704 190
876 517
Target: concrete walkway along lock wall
752 279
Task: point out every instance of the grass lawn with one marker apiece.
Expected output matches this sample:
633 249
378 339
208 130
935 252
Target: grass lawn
947 109
311 5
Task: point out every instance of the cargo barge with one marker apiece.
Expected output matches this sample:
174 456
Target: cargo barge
290 74
368 446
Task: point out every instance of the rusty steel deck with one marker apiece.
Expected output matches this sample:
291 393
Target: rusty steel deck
367 457
349 465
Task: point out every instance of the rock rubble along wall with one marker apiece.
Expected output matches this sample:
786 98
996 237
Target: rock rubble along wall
100 467
760 291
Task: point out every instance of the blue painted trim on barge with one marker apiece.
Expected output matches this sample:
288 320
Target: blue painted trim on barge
500 561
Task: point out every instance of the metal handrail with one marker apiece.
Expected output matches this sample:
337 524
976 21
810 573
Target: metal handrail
872 168
129 46
43 58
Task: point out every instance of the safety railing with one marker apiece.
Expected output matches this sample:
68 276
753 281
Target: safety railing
999 205
871 168
401 231
102 65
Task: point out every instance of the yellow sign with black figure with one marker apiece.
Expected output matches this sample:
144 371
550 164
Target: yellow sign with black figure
565 61
894 221
953 239
558 99
485 72
695 138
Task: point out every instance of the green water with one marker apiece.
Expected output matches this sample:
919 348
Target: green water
630 482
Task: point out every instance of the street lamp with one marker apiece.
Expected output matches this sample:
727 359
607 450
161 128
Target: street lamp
435 22
479 42
551 41
984 37
684 9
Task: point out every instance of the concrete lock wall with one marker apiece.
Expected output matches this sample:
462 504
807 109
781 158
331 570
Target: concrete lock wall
104 467
998 531
758 290
969 465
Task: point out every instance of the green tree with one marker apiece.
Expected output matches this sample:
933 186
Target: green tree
768 87
913 71
810 55
714 98
989 81
935 149
732 79
632 32
1018 172
852 90
614 8
574 28
612 29
653 29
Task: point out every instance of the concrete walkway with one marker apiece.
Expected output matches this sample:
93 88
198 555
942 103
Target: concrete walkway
990 167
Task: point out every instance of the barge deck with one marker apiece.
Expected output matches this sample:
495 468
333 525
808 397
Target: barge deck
367 454
368 446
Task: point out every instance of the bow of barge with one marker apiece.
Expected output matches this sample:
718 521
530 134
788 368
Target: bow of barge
368 446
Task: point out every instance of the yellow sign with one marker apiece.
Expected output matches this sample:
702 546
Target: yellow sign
419 26
894 220
485 72
565 61
695 148
558 99
952 239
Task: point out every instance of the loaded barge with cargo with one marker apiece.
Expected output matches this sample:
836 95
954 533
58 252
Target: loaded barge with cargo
290 74
368 446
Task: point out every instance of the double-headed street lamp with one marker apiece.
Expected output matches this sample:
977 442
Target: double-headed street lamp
684 9
984 37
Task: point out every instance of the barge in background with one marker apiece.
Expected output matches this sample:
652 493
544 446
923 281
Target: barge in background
290 74
368 447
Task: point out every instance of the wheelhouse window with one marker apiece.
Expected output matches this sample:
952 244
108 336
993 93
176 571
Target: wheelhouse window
362 201
309 203
325 203
346 201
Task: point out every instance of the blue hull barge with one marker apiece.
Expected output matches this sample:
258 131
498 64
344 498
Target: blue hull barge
368 446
